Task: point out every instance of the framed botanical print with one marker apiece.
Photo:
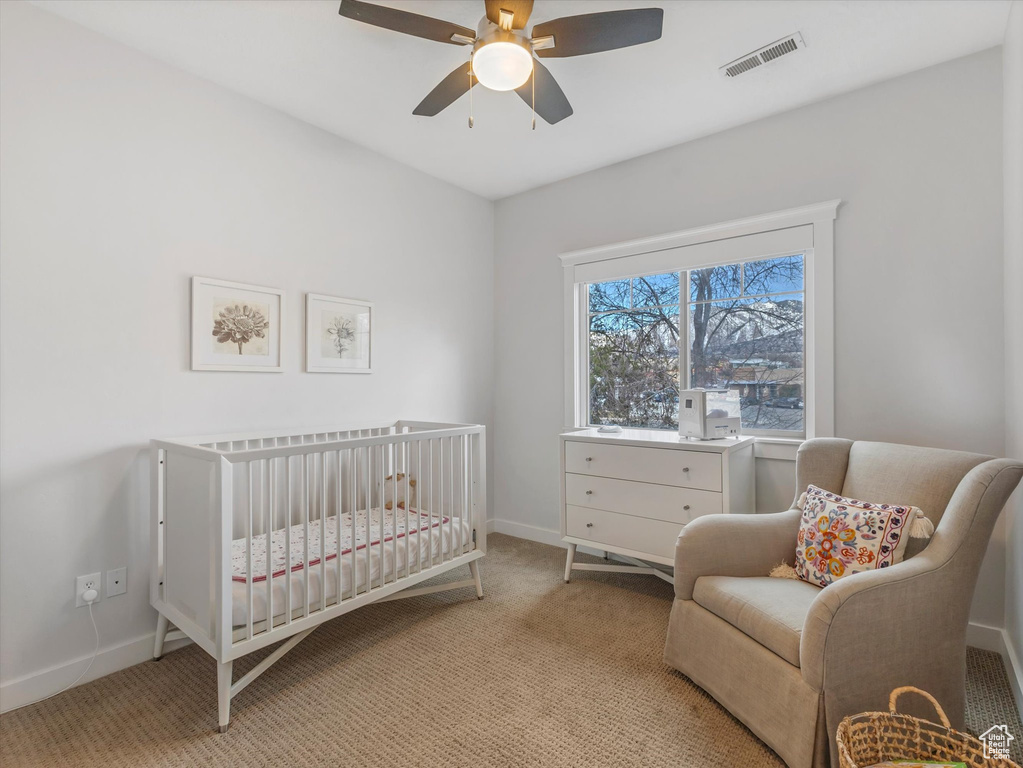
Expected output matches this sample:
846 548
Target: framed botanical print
236 327
338 335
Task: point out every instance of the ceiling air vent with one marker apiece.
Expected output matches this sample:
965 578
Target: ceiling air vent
764 55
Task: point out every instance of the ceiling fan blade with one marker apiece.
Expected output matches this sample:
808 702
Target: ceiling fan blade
551 103
596 32
520 8
408 23
446 93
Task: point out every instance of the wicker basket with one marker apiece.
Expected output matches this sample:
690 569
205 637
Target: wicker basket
873 737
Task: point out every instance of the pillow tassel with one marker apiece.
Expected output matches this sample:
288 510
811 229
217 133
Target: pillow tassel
921 527
783 571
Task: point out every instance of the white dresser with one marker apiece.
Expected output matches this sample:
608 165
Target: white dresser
631 493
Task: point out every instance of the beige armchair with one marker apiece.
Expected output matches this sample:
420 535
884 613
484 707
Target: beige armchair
790 659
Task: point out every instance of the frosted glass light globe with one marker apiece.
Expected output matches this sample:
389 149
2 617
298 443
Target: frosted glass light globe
502 66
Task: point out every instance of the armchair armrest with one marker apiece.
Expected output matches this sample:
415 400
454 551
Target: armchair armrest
922 602
909 593
906 624
733 545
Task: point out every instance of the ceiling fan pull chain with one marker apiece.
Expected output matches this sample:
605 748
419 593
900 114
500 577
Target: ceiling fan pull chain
532 77
470 90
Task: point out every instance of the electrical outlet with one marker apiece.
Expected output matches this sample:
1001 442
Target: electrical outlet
89 581
117 581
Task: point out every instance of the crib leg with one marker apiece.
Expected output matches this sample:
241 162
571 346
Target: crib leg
162 625
474 569
568 562
224 694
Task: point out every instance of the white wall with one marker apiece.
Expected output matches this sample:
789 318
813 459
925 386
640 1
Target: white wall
121 178
1013 177
918 313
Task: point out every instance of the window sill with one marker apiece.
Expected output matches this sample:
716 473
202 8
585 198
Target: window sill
782 448
764 447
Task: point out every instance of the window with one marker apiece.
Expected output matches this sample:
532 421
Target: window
746 304
634 355
744 325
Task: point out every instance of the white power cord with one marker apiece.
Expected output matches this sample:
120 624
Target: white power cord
89 596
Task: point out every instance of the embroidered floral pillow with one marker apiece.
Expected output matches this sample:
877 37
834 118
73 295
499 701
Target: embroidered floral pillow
839 536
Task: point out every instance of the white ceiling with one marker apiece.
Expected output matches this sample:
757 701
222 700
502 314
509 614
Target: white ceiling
362 82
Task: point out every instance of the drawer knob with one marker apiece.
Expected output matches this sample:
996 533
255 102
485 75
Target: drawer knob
589 493
589 458
686 507
589 525
685 469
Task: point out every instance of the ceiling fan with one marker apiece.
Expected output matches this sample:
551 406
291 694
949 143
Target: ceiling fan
503 52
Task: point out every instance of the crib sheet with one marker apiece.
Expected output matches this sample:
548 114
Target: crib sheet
423 529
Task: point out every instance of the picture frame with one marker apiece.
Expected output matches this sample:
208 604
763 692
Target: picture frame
338 335
236 326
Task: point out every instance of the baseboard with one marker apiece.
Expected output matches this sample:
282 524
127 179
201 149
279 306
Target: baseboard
528 532
1014 668
38 685
978 635
997 639
535 533
985 637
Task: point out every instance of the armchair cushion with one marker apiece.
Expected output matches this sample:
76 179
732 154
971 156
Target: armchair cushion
771 611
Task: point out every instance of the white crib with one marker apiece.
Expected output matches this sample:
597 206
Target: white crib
258 538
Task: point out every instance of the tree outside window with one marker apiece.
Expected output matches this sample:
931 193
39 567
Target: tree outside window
745 329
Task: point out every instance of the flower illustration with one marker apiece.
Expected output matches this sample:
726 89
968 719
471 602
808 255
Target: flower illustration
240 324
831 553
340 329
864 556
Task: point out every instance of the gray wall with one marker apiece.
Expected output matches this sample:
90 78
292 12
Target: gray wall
123 177
918 264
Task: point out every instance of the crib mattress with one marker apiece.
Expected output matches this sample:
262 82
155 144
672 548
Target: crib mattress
371 560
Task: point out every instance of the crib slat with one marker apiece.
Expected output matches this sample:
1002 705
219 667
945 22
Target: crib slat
353 472
268 465
461 495
457 474
440 494
451 504
419 507
248 556
305 534
467 522
287 541
406 461
368 492
394 512
323 531
339 526
433 507
380 536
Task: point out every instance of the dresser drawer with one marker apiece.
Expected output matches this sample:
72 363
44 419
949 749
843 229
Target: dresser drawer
654 537
658 502
665 466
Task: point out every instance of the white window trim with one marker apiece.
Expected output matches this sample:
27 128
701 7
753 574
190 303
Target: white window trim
768 235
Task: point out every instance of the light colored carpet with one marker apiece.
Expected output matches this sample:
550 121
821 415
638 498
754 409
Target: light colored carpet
539 673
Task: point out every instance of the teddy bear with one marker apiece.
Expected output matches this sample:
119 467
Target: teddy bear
389 491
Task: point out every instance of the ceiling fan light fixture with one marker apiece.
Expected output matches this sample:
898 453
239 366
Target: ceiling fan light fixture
502 65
